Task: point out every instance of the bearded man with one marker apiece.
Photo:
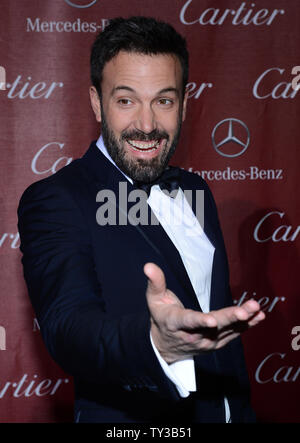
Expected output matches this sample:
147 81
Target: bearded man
140 314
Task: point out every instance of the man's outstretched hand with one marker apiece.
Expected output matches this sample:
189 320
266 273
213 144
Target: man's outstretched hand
179 333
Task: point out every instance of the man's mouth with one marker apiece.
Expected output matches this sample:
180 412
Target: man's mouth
144 146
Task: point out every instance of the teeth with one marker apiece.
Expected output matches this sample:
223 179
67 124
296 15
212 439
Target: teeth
139 150
143 145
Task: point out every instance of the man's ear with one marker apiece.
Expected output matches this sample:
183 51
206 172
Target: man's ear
185 98
95 103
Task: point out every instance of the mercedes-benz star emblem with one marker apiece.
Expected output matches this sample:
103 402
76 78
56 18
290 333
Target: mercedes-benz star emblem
86 5
244 143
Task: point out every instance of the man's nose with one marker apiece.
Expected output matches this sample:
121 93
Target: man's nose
145 120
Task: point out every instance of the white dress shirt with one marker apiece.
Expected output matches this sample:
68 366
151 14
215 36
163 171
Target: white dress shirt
181 225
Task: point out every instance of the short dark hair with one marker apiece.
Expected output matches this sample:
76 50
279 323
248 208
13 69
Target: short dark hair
143 35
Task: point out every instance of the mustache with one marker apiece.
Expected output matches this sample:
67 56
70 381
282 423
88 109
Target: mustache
143 137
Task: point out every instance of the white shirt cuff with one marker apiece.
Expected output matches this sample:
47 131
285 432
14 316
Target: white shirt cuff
181 373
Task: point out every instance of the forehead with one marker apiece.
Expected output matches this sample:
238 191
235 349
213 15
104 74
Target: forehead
140 71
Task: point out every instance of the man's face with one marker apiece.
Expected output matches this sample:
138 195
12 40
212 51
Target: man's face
141 111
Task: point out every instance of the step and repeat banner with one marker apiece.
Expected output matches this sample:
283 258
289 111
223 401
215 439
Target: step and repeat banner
241 134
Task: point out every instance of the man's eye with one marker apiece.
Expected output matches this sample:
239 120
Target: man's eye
165 101
124 101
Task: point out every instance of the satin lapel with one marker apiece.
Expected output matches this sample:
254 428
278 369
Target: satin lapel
172 258
212 231
199 202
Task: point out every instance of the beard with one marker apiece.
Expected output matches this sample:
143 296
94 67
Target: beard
139 169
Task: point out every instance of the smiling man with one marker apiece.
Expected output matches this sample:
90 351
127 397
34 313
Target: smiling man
141 109
141 316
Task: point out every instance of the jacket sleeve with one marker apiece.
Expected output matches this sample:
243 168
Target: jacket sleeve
66 295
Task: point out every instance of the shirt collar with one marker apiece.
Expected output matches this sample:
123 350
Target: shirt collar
100 144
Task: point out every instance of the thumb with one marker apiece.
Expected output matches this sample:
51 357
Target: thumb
156 279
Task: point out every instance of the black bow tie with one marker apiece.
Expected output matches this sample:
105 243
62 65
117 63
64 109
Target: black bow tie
168 180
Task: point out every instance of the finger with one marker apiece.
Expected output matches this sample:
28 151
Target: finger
194 320
254 314
239 318
246 311
251 306
228 316
156 279
227 339
257 318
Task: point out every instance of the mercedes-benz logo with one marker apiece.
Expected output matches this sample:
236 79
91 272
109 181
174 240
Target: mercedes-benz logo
75 5
244 143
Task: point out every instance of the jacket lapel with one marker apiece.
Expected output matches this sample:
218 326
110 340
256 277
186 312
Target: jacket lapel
213 233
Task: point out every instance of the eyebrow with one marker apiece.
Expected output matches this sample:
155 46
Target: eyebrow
128 88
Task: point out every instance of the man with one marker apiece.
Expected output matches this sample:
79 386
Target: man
139 314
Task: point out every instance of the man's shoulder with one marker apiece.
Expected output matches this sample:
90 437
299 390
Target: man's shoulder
68 181
72 175
62 177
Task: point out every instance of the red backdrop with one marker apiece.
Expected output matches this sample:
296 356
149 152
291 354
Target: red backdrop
241 134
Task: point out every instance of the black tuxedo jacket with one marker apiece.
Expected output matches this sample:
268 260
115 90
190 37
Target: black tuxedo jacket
87 286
